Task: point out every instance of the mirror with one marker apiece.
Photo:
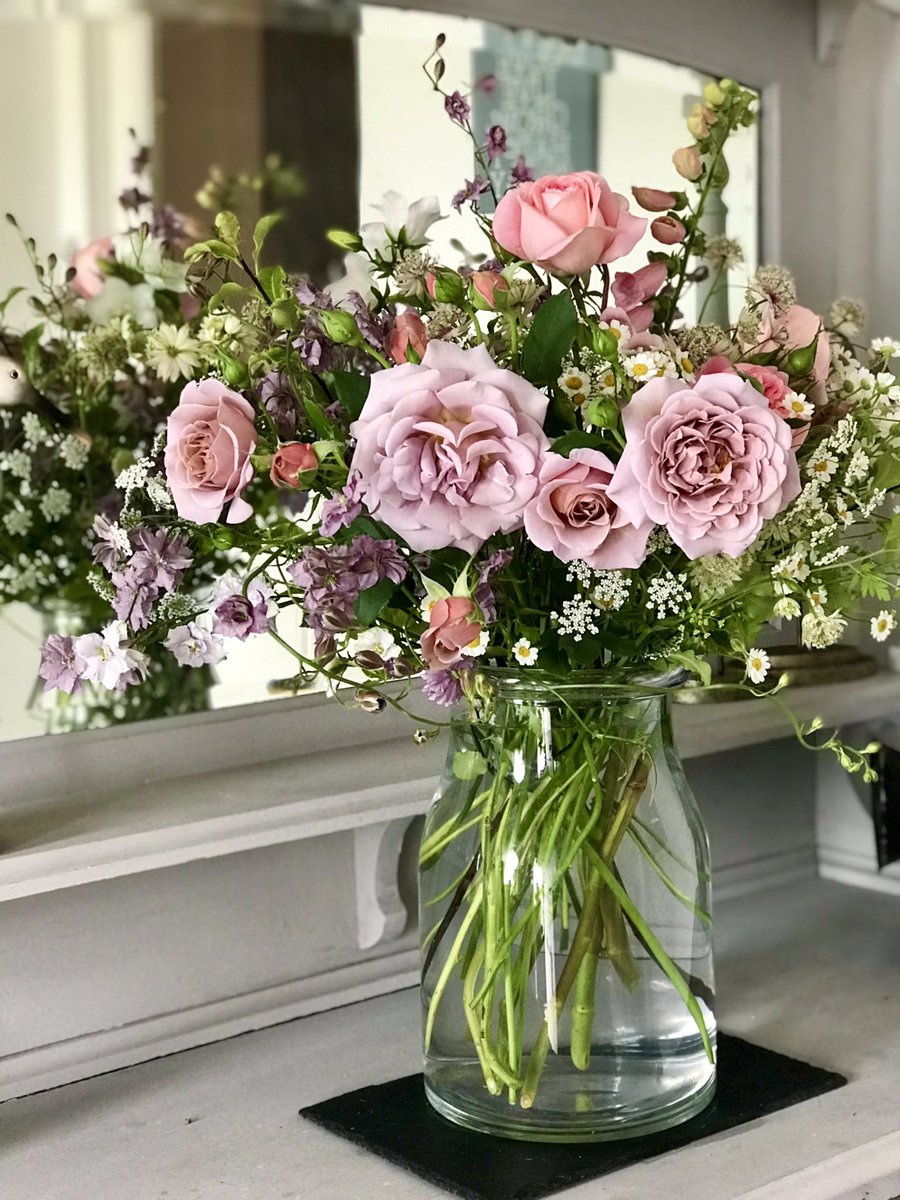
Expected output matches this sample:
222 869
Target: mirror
224 85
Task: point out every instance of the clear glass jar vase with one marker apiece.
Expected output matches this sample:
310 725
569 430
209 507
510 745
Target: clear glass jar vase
565 914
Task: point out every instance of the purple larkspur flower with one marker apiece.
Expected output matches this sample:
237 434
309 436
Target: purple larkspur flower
495 142
369 326
106 551
306 293
236 616
192 646
342 510
487 84
484 592
336 413
280 401
521 172
140 160
59 664
473 189
132 199
167 223
457 107
134 597
159 559
443 687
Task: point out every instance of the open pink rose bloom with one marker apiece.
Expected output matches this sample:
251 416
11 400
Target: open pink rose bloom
449 449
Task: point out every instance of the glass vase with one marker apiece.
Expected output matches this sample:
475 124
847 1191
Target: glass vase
567 968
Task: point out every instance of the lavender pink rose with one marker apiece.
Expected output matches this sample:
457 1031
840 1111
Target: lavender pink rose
449 449
450 629
567 223
211 436
572 515
709 461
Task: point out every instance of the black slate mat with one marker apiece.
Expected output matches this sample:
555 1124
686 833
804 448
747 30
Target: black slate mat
396 1121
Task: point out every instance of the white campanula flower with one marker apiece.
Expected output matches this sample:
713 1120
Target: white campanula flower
414 219
172 352
376 641
787 608
883 625
524 653
885 347
119 298
758 664
357 277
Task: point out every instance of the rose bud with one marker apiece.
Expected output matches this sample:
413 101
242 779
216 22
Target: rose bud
486 286
687 162
653 199
429 284
668 230
409 333
339 326
293 465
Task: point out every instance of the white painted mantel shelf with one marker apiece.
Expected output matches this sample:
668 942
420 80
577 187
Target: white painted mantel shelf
812 971
100 805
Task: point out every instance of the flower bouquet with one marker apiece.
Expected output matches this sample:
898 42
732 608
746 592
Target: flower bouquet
530 484
85 391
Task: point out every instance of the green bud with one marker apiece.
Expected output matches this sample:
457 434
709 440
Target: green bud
222 538
800 361
602 414
713 94
606 344
339 326
346 241
727 85
235 372
121 460
449 288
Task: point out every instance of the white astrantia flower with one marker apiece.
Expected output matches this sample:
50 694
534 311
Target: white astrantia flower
757 665
414 219
818 630
883 625
173 352
524 653
885 346
575 383
477 646
375 640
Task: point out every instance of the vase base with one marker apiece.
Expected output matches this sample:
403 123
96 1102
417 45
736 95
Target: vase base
589 1115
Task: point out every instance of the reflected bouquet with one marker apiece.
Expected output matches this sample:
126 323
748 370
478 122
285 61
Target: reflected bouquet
528 472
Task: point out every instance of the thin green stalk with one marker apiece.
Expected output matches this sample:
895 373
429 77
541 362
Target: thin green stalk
700 913
447 969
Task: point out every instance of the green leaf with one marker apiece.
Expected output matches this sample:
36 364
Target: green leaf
371 601
31 351
214 247
576 440
694 663
272 279
549 339
887 473
263 227
284 313
350 390
10 296
230 290
316 415
228 228
468 765
655 947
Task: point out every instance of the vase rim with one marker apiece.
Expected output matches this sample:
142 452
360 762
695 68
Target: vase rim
615 682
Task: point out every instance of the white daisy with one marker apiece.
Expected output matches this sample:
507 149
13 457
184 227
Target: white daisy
883 625
524 653
477 646
576 384
172 352
797 407
822 465
817 598
757 665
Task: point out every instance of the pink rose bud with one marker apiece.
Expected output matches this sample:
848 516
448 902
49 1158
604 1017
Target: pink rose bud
668 230
429 283
409 332
294 465
450 630
653 199
88 278
486 285
687 162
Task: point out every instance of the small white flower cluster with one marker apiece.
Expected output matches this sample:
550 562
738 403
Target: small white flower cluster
819 630
55 503
224 330
611 590
649 364
593 376
660 541
578 617
668 594
714 575
33 430
158 492
18 522
16 463
102 585
74 452
847 315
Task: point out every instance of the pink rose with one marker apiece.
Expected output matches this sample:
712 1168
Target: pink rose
567 223
573 517
291 461
709 461
775 384
449 449
668 230
486 284
794 331
210 438
717 365
409 330
449 630
653 199
88 278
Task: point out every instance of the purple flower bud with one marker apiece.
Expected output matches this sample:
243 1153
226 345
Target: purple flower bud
521 172
496 142
457 108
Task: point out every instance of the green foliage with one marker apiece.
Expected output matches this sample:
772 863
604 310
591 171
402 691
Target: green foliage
468 765
549 339
371 601
350 390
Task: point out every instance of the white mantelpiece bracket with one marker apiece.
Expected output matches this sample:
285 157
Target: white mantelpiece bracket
381 915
